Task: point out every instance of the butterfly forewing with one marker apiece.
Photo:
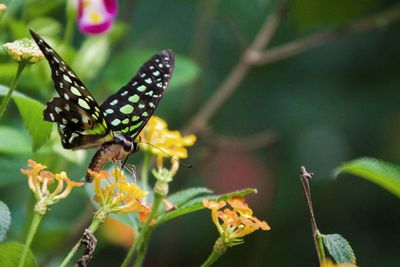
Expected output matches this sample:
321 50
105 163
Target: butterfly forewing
79 118
128 110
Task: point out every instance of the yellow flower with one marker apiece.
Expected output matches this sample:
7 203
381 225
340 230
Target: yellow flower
235 221
161 142
39 181
329 263
118 195
24 50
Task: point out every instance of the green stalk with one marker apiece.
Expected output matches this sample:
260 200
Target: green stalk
92 228
37 217
218 251
320 246
143 250
140 245
4 103
70 25
144 173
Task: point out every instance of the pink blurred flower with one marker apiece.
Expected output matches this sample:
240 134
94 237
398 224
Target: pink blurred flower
96 16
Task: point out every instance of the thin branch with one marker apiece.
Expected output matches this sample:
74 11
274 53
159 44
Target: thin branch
251 142
292 48
229 85
305 178
253 55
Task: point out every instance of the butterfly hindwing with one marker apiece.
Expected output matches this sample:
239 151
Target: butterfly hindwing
78 116
129 109
74 124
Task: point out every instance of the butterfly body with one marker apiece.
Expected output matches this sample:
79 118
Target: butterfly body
114 125
116 150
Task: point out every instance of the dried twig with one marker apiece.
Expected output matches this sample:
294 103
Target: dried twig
88 241
254 56
305 178
228 86
251 142
301 45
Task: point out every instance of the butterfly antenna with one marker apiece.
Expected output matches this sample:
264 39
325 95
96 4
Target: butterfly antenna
166 153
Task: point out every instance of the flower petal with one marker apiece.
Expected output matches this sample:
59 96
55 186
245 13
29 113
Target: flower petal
96 16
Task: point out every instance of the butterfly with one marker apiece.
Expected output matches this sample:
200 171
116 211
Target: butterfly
114 125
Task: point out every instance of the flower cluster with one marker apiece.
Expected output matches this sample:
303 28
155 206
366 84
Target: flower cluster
117 195
164 142
24 50
39 181
235 221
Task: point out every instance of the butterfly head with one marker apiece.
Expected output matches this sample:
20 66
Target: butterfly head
129 146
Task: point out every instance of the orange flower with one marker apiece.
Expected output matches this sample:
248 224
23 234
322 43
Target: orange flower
117 232
119 195
235 221
39 180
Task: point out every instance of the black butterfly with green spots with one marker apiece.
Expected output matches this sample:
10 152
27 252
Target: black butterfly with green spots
113 125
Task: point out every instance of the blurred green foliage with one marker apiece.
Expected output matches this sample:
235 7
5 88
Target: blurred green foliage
331 104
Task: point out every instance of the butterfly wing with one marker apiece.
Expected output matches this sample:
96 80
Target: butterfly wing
80 121
129 109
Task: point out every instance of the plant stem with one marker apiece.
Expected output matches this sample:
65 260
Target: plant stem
321 246
305 177
69 29
3 106
143 249
37 217
92 228
218 250
142 239
144 173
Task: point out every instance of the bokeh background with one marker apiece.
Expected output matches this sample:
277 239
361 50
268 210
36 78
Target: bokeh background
328 104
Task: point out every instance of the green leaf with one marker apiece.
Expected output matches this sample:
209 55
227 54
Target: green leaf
91 57
181 197
41 8
10 254
5 220
46 26
196 204
384 174
339 248
31 111
185 71
8 70
14 141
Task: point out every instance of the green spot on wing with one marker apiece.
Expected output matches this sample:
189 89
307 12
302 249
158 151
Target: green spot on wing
141 88
75 91
134 99
82 103
125 121
116 122
127 109
135 126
